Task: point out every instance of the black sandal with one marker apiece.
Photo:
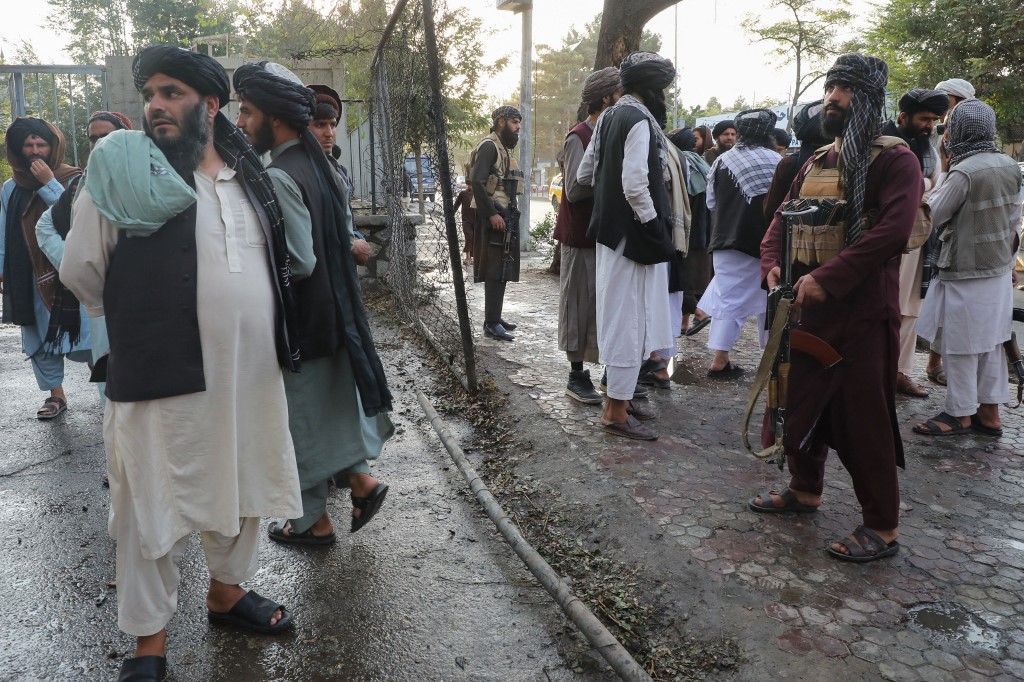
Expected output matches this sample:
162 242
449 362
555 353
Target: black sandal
253 612
367 506
143 669
864 545
277 533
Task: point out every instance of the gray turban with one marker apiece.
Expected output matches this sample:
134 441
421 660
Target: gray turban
508 112
957 87
600 84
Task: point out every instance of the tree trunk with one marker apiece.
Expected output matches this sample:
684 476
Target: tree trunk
556 259
622 24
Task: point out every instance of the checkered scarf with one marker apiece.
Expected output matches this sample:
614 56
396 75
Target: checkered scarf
972 130
750 167
868 77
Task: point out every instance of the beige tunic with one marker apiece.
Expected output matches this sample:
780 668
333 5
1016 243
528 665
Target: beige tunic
200 461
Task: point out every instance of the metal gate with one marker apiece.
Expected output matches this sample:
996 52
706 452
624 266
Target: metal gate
63 95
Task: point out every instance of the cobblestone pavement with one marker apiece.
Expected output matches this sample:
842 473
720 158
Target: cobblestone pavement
949 606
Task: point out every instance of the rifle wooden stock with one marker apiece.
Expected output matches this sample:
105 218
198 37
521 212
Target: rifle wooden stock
814 346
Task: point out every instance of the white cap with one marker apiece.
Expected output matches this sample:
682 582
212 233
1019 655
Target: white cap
957 87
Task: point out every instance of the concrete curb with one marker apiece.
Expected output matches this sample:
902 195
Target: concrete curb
592 628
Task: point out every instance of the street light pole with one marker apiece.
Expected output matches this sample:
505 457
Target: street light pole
526 108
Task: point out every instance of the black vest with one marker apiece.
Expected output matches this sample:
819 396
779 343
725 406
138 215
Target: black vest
319 332
150 304
735 224
613 218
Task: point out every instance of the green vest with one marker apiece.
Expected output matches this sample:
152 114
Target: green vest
978 240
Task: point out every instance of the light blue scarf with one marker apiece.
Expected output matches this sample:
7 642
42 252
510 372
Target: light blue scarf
133 185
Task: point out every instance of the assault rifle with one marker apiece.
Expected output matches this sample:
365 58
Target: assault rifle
1013 355
510 214
773 370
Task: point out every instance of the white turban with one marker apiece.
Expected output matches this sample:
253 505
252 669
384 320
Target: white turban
957 87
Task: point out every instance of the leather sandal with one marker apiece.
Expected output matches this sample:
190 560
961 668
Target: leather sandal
907 386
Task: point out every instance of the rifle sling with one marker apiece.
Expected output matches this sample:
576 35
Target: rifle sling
799 341
764 375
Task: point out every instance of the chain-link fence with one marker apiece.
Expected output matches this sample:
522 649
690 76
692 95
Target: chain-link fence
424 270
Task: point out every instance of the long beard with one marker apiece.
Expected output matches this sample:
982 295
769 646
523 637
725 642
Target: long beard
508 138
833 126
184 151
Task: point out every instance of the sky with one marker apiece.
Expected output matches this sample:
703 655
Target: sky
714 55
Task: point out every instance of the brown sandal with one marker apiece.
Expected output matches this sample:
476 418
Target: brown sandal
52 406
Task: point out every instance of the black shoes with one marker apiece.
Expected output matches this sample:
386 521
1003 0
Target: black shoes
581 388
509 326
143 669
638 391
649 378
497 331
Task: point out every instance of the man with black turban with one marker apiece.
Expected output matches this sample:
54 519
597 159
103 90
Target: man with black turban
919 110
577 307
324 127
178 238
342 377
496 181
724 135
31 291
846 265
633 220
737 185
968 314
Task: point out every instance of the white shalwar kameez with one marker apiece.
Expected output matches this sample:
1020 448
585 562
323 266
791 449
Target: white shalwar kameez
632 299
733 295
213 461
967 321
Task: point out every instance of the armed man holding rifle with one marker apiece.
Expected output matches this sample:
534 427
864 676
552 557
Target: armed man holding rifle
497 181
846 269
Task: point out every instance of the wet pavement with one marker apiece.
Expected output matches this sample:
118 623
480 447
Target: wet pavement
427 591
949 606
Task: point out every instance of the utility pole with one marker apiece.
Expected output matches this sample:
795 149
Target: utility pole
526 108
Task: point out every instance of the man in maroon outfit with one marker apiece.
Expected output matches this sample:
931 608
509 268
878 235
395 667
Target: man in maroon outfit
850 301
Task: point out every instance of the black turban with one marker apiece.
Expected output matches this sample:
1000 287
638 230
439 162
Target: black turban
199 71
277 92
721 127
508 112
782 138
755 122
684 138
868 77
646 71
917 100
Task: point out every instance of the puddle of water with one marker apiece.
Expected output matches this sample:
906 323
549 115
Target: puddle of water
951 623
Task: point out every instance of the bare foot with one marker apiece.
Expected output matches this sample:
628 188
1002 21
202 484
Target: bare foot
152 645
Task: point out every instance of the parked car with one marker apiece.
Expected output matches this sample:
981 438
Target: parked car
555 191
429 176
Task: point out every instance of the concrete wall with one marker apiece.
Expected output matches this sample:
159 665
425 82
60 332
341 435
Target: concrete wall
126 99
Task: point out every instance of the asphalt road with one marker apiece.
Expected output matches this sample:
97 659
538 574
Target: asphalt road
428 591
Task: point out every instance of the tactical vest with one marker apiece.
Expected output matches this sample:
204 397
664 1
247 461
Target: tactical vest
814 245
505 163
